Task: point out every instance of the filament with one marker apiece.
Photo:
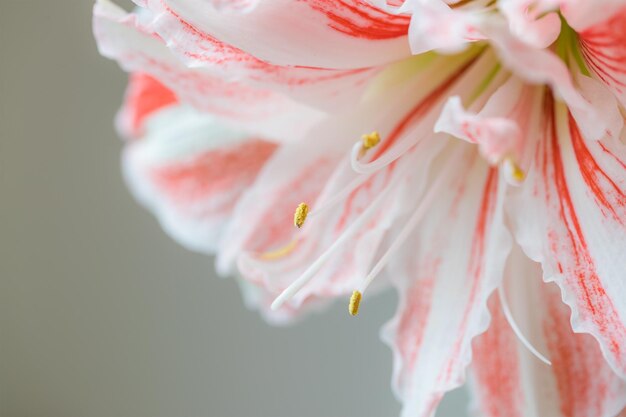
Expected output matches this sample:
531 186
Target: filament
367 214
516 329
426 202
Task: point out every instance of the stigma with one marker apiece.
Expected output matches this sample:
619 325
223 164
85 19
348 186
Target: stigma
300 215
355 300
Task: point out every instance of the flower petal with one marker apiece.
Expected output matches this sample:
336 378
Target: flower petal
604 48
509 381
532 21
581 14
123 37
325 87
570 216
454 262
595 110
344 34
319 170
497 127
144 96
234 5
435 26
190 171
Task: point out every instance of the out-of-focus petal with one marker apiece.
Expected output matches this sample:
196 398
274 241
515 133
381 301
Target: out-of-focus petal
234 5
534 22
604 48
144 96
596 111
581 14
508 381
344 34
570 216
190 171
448 270
436 26
123 37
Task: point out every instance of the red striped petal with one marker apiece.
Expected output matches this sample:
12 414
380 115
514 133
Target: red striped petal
570 216
604 48
144 96
509 381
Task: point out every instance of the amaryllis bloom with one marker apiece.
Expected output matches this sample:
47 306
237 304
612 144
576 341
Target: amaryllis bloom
469 154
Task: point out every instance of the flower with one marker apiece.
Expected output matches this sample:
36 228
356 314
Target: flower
467 153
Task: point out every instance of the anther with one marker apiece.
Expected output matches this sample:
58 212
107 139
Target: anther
370 140
355 300
300 215
517 173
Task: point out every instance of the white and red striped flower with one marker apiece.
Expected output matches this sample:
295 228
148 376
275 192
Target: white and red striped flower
507 247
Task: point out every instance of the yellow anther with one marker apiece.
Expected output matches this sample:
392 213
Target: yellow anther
517 173
355 300
300 215
370 140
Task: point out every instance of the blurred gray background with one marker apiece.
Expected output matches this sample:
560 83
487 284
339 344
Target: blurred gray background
101 314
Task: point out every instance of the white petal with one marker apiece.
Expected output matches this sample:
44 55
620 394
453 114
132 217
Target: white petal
190 171
449 270
593 110
570 216
123 37
344 34
602 46
509 381
435 26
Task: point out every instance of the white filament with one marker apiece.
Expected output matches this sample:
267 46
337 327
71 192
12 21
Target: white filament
339 196
297 285
516 329
383 161
413 221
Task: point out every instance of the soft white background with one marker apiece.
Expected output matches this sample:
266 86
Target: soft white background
101 314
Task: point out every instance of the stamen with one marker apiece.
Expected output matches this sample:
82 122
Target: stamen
387 158
367 214
515 328
338 197
355 300
368 141
300 215
513 171
426 202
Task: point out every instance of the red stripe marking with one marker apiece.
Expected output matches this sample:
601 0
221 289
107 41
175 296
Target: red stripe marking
604 189
418 111
604 47
497 369
580 371
415 314
359 19
214 172
593 302
475 265
218 52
